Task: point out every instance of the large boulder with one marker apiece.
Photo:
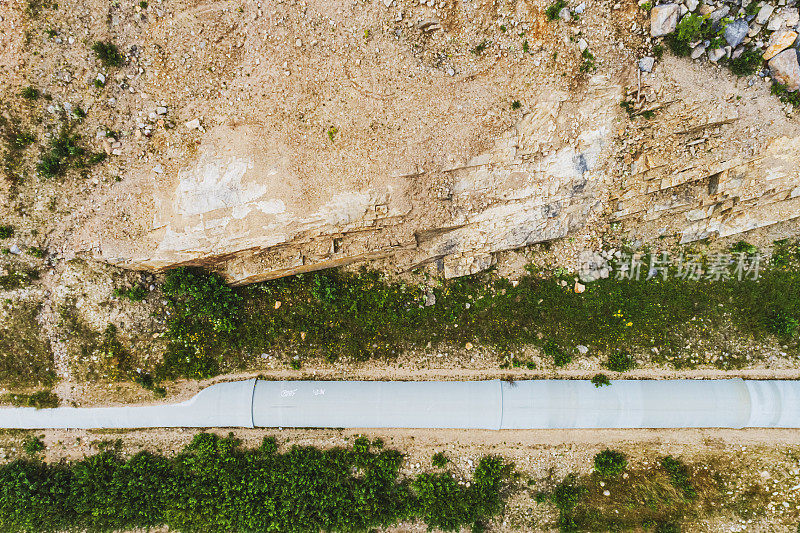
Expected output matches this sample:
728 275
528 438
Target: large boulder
663 19
735 32
785 69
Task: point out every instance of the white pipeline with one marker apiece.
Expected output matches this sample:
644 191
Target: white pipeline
535 404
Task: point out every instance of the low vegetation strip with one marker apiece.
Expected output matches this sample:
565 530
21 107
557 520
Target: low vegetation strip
215 485
213 327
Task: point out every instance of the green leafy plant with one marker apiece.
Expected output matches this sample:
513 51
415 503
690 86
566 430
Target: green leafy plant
553 10
566 496
679 475
560 357
137 293
332 131
30 93
108 53
480 47
439 460
747 63
610 463
587 61
600 380
782 92
64 150
620 361
201 489
516 104
6 232
33 445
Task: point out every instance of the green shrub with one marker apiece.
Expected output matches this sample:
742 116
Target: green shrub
560 357
610 463
566 496
554 9
691 28
747 63
33 445
6 232
601 380
30 93
107 53
782 323
743 247
64 150
587 62
439 460
785 95
620 361
137 293
202 489
679 475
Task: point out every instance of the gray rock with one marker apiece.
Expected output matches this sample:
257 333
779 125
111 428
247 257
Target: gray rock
663 19
15 249
581 8
737 53
792 16
692 4
719 14
161 110
715 54
583 350
754 30
646 64
735 32
565 14
775 23
698 51
764 14
785 69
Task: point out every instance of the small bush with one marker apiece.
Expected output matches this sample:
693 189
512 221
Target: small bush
620 361
30 93
566 496
747 63
782 323
601 380
780 90
587 63
107 53
6 232
516 104
137 293
554 9
743 247
610 463
33 445
64 149
560 357
439 460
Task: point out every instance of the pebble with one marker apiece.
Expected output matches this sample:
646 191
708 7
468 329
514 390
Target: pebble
663 19
764 13
193 124
646 64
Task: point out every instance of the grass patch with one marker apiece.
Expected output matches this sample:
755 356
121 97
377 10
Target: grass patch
30 93
785 95
747 63
25 355
332 314
137 293
107 53
439 460
647 498
6 232
587 62
43 399
200 488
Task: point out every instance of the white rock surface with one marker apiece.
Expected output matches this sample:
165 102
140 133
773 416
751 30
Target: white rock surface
663 19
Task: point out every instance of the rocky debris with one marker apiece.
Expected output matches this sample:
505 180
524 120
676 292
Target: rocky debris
646 64
193 124
663 19
715 54
736 31
698 51
691 5
764 13
780 42
785 69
